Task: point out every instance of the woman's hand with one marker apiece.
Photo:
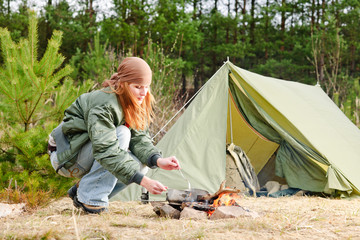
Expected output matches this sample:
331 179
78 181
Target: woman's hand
153 186
169 163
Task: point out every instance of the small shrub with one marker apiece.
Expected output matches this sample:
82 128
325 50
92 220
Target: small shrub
33 95
28 176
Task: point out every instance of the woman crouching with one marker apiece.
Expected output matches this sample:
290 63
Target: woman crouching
103 139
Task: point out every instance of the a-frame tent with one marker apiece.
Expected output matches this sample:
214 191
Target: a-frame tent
312 144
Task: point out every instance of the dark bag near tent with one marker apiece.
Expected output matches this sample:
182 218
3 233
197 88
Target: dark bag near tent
240 173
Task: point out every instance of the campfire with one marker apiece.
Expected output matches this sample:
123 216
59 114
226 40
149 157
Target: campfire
200 204
226 199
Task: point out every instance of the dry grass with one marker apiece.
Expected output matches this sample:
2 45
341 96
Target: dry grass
282 218
31 199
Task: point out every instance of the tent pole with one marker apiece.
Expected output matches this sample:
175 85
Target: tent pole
231 132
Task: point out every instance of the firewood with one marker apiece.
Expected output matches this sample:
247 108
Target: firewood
221 190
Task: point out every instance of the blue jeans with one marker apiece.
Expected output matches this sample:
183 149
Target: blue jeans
97 185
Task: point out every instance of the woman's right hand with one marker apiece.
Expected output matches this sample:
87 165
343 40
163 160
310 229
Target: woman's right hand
153 186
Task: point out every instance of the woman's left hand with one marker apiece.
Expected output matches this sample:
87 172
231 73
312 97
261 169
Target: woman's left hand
169 163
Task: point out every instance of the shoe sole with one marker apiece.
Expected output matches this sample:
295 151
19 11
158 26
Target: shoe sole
88 210
72 192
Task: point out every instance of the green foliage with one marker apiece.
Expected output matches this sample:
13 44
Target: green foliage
284 69
66 93
128 29
25 82
351 105
164 85
328 47
34 92
26 174
15 22
97 64
77 26
165 70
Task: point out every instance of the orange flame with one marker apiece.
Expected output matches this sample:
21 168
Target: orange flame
225 199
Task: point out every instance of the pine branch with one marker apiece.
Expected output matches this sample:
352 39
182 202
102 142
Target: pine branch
60 74
6 93
28 71
18 108
33 37
34 108
7 152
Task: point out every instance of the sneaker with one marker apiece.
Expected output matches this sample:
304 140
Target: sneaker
72 193
89 208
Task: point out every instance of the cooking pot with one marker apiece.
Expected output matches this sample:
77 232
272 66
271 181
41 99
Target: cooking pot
179 196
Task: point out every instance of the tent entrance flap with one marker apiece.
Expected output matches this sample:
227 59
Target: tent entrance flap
258 148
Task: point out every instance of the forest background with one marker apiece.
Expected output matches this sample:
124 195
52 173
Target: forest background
65 48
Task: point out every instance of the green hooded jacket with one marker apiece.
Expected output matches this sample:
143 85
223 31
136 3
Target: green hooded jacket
95 116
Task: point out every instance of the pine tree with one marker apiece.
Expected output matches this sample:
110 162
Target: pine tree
26 83
34 92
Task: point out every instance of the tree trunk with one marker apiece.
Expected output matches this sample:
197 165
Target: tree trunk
236 9
336 4
48 30
198 71
318 13
282 25
252 23
312 24
321 68
215 5
293 7
266 30
195 8
8 7
202 59
322 54
215 29
352 59
227 28
91 10
235 25
243 30
183 88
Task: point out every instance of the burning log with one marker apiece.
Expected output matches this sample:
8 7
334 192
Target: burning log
221 191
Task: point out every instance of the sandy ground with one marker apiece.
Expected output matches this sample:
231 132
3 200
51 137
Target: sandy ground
282 218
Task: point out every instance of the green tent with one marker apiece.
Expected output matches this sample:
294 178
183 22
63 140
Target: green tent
287 129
